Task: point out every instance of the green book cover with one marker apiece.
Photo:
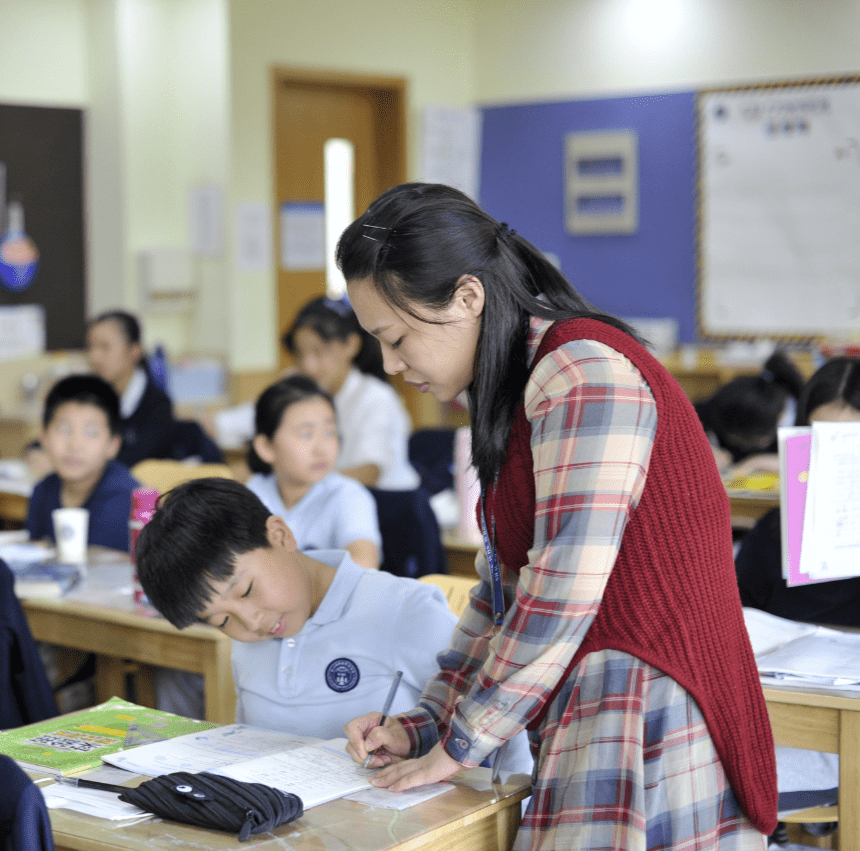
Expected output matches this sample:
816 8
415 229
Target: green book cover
73 743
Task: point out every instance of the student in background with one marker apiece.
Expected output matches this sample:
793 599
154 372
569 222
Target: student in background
317 639
115 353
832 395
607 620
293 456
81 436
330 347
741 418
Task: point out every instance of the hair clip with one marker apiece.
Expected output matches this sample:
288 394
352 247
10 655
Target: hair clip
377 227
504 232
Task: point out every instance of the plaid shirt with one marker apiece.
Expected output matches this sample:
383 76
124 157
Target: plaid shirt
588 477
491 682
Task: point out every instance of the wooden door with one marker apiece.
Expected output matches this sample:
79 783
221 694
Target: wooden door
309 108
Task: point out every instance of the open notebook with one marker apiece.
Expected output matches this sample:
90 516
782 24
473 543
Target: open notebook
786 650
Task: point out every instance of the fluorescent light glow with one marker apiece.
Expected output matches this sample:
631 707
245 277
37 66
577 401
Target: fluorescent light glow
339 159
655 23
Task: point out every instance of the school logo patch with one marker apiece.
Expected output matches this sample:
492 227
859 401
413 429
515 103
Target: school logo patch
342 675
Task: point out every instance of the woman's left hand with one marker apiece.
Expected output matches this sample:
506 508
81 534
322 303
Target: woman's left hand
430 768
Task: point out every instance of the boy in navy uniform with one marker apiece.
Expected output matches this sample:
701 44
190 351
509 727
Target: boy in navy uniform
81 436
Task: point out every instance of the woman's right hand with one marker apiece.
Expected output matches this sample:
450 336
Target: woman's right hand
390 743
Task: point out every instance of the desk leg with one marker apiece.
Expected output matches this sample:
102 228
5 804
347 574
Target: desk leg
507 825
220 692
110 678
849 781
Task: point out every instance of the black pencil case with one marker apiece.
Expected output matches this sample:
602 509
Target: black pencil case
219 803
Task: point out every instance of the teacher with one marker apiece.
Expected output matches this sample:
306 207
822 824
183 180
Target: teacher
607 621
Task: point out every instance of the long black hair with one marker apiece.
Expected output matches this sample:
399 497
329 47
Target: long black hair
837 381
334 319
271 406
416 241
748 407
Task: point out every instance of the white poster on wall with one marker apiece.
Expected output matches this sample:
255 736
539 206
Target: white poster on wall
780 209
451 146
302 235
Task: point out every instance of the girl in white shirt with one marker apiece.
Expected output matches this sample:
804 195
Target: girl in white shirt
329 345
293 457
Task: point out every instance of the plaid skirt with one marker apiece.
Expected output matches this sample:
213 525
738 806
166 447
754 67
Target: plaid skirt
624 760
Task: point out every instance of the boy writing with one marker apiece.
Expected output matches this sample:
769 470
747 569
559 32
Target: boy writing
317 640
81 436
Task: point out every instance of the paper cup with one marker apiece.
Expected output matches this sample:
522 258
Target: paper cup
71 527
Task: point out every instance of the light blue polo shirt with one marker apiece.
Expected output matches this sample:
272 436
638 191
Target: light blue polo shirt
335 512
342 662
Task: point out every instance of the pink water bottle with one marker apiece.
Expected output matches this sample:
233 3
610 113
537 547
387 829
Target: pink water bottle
142 509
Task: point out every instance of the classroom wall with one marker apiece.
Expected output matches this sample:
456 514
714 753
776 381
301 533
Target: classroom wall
427 42
177 93
631 64
43 52
550 50
158 113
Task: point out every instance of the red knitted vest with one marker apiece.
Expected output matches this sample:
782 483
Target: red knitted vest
672 597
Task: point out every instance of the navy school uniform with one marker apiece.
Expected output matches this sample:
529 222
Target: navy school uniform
109 506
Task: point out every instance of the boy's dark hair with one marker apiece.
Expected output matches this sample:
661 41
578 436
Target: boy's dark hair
837 381
334 319
85 390
271 406
193 539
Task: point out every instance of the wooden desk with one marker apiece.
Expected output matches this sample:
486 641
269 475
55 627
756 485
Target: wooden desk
463 819
99 616
748 506
13 508
461 555
824 720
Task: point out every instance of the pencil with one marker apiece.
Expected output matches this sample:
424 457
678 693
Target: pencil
90 784
385 709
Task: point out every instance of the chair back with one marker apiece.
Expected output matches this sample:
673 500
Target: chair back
455 588
25 693
411 539
191 441
24 822
164 474
431 453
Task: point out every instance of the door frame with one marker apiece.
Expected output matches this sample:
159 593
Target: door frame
390 94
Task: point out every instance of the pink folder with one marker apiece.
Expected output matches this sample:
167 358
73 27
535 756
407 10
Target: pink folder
798 448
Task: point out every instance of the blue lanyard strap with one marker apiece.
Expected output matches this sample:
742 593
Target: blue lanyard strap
493 562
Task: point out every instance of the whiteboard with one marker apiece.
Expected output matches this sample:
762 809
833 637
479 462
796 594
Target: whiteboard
779 207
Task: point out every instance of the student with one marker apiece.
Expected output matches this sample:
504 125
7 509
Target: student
81 437
741 418
318 639
330 346
607 619
832 395
293 457
115 353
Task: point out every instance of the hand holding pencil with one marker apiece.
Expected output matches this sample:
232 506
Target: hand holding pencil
378 735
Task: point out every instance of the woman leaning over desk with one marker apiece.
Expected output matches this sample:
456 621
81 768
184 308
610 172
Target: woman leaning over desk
607 621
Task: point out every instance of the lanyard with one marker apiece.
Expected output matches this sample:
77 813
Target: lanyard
493 562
